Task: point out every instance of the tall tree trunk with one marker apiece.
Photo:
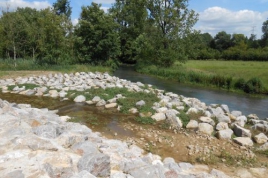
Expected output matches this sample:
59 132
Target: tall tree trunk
14 52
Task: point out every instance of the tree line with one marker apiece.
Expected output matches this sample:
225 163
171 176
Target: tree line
157 32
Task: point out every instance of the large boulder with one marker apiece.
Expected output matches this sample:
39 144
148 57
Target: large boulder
222 126
224 134
159 116
193 124
97 164
79 99
46 131
207 120
241 132
243 141
260 138
205 128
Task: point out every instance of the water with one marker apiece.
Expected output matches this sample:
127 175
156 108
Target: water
241 102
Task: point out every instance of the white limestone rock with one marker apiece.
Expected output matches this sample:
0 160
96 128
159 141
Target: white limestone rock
205 128
243 141
260 138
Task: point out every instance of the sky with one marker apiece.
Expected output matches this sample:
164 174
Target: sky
233 16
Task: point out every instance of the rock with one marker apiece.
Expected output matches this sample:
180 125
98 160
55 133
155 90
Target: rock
259 172
260 138
223 118
218 174
174 121
207 120
193 124
192 110
222 126
96 99
263 147
243 141
53 93
111 105
205 128
224 134
86 147
241 132
46 131
162 110
241 121
145 114
253 116
80 99
236 113
101 103
14 174
83 174
59 164
159 116
97 164
225 108
133 110
140 103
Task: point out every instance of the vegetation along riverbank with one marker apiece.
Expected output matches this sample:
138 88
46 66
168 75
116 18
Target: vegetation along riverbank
247 76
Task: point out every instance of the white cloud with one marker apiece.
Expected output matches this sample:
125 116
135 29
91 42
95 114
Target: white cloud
13 4
216 19
75 21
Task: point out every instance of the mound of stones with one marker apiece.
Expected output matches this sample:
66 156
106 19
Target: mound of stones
39 143
215 119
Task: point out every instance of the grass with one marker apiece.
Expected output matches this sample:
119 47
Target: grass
26 85
228 75
129 101
7 65
236 69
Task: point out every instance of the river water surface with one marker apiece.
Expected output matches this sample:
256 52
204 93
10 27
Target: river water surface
241 102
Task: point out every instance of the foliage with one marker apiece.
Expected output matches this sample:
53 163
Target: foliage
145 120
131 17
62 7
184 118
254 85
97 41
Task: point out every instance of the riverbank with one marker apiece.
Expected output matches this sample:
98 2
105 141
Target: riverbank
175 112
235 76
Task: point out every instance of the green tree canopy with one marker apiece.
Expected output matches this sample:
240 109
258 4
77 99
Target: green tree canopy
97 41
63 7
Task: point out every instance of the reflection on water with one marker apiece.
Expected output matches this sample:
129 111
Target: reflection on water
246 104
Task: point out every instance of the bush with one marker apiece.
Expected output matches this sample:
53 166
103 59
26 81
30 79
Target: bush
253 86
240 84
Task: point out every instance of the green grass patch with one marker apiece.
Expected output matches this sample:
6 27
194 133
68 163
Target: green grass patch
249 77
145 120
31 65
27 86
129 101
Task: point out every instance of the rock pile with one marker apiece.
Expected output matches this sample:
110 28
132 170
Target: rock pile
215 119
39 143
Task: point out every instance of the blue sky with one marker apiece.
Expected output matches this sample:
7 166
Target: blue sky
232 16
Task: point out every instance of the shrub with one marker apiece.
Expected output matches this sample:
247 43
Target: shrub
240 84
253 86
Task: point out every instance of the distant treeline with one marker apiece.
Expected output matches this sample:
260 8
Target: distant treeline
144 31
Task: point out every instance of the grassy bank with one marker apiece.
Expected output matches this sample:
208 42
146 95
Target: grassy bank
249 77
7 67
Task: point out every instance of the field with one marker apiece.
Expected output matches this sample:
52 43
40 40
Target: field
248 77
236 69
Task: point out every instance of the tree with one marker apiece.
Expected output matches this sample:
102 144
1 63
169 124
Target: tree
131 17
168 25
97 41
62 7
13 34
221 41
264 39
238 40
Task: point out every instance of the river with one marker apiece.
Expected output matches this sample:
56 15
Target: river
241 102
